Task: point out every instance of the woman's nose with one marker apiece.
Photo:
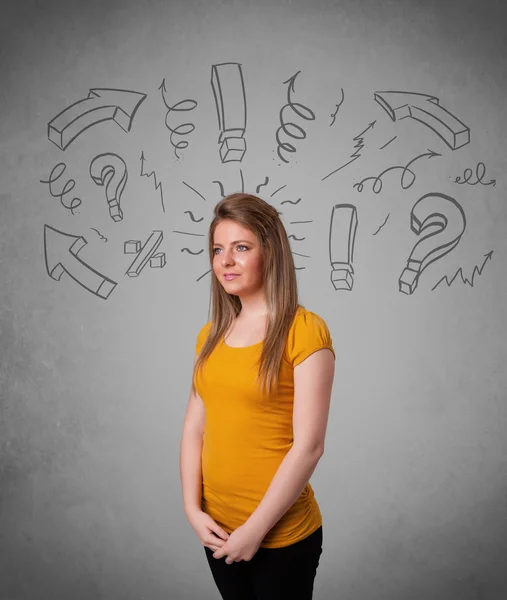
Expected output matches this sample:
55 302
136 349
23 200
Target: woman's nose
227 258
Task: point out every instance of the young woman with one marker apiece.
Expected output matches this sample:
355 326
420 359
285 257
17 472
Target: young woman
257 414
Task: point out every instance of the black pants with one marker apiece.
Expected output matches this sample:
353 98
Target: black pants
273 573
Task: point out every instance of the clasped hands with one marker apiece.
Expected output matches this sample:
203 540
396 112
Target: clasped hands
242 544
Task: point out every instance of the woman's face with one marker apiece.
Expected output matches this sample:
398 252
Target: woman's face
237 259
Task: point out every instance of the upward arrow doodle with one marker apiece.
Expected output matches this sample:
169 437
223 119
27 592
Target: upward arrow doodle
61 255
102 104
427 110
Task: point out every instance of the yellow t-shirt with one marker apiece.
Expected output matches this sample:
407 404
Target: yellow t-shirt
246 439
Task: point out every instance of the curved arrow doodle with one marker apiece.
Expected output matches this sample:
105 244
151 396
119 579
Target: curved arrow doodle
444 220
427 110
110 170
61 256
102 104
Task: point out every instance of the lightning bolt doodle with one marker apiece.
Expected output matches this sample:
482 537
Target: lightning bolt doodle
158 184
359 145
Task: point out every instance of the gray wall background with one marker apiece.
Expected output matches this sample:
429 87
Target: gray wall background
412 484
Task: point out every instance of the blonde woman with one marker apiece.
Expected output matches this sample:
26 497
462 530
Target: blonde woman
257 413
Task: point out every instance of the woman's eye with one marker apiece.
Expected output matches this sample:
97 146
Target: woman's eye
241 246
215 250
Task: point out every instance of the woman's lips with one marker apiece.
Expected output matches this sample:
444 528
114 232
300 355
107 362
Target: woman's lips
230 277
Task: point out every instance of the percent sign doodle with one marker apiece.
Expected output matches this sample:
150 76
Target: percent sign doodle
342 233
229 91
145 253
444 221
110 170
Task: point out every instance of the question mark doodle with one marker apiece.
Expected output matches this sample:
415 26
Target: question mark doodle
230 99
110 171
342 233
445 221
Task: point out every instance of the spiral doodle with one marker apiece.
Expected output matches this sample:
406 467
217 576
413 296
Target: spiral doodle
291 129
183 128
70 184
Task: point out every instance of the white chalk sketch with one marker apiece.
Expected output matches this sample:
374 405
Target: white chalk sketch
145 253
61 255
289 128
342 235
230 99
102 104
427 110
443 222
109 170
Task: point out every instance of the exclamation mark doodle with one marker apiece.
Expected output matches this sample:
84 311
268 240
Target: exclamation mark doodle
342 233
229 90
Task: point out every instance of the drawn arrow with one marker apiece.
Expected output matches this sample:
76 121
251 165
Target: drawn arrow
101 105
427 110
61 255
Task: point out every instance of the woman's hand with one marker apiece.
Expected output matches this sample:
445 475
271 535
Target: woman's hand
242 544
210 534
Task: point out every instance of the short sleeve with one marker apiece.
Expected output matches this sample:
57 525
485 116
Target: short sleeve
201 337
307 334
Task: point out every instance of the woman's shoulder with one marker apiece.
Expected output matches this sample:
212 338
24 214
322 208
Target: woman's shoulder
202 335
308 332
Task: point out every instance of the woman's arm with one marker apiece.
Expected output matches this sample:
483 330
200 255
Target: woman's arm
190 452
313 381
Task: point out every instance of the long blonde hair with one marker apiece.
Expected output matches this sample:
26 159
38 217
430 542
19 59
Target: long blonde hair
279 276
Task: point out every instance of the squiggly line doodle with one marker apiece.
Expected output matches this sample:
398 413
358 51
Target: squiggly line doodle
443 221
193 253
480 171
102 237
381 226
68 187
158 184
61 255
290 129
221 185
230 98
102 104
191 214
258 188
184 128
333 115
377 183
477 271
145 253
359 145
